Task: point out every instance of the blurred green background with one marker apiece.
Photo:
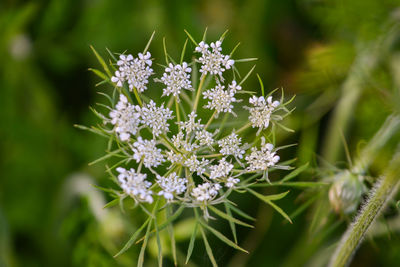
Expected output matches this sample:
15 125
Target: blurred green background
323 51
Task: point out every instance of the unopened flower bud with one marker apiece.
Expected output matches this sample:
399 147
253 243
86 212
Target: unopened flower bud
346 191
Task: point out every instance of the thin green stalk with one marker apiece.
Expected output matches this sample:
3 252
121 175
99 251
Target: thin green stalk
243 128
383 191
210 120
178 115
196 101
137 96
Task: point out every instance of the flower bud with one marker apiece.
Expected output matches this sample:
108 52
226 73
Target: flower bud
346 191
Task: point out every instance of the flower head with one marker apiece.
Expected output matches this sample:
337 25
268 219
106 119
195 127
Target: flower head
170 185
191 125
230 145
176 78
195 165
262 159
135 71
147 151
221 100
156 117
126 118
260 113
212 60
135 185
221 170
206 191
230 182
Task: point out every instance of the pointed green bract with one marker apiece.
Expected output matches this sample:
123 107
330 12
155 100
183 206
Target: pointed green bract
133 238
228 217
295 173
221 237
101 61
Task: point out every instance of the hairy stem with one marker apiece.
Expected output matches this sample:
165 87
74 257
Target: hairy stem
382 192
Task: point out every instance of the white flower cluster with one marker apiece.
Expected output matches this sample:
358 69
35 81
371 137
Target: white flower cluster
135 185
126 118
146 151
135 71
176 78
221 100
260 114
170 185
129 119
231 146
212 60
206 191
186 163
156 117
262 159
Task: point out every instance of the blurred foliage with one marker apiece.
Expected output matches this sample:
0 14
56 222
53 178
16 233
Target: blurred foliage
49 213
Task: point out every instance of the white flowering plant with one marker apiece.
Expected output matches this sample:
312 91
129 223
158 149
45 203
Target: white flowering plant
181 155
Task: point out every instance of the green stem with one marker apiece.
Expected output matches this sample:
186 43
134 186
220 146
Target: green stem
210 120
382 192
178 115
243 128
196 101
137 96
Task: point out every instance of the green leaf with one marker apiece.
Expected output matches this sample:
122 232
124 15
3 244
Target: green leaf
111 203
234 49
149 42
191 243
208 248
240 212
183 51
204 35
133 238
231 224
107 190
165 51
101 61
247 75
190 37
228 218
111 55
268 200
171 218
223 35
108 155
294 173
144 245
305 184
172 237
222 237
261 84
291 184
269 197
246 59
284 127
93 130
159 247
99 74
278 209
